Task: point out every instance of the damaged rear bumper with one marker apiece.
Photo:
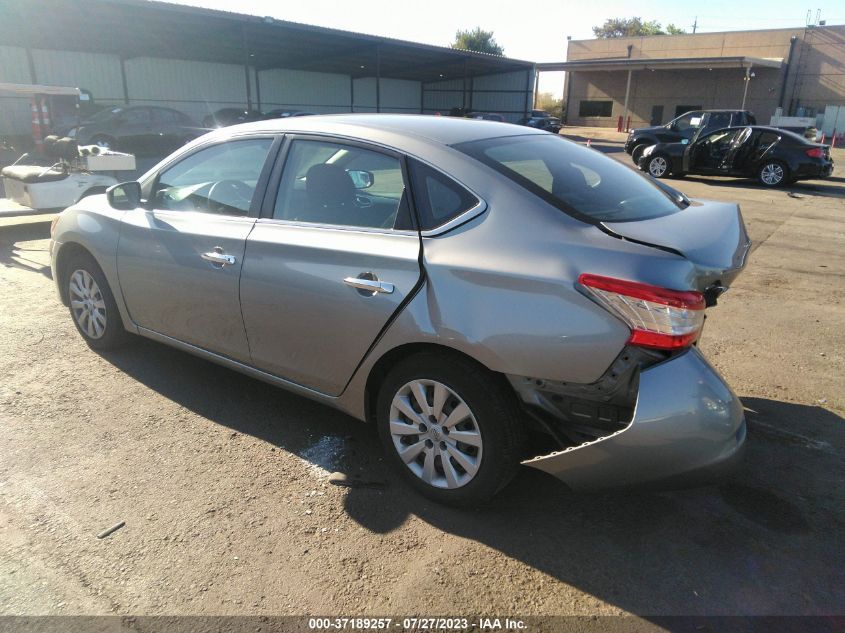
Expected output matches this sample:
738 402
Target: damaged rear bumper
688 428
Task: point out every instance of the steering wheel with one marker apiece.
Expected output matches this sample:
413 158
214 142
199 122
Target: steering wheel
228 193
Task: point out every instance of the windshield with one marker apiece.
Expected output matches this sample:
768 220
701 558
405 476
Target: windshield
583 182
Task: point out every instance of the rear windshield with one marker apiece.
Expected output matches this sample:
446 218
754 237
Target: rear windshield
582 182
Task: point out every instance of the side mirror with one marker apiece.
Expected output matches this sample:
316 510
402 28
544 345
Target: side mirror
360 178
124 196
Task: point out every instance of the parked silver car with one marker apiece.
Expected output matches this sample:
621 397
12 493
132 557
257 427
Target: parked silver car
487 295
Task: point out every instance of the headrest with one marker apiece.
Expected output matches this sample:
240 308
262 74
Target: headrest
329 184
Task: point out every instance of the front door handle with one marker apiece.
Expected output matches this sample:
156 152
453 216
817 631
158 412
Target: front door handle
219 258
372 286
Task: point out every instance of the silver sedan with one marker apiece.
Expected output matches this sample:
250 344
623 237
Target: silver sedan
487 295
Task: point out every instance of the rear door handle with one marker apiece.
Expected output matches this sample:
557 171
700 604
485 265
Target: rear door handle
219 258
369 285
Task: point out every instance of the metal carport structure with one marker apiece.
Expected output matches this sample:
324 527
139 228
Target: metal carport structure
132 29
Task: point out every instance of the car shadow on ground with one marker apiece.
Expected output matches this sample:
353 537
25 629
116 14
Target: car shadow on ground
833 187
765 542
16 254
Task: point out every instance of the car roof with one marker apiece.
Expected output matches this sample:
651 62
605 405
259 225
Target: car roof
439 129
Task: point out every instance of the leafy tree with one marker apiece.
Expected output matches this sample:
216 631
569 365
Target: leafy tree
477 40
548 102
633 27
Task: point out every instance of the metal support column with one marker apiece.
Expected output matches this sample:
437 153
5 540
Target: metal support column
378 78
124 81
246 69
527 94
747 80
257 91
351 93
627 95
33 77
464 91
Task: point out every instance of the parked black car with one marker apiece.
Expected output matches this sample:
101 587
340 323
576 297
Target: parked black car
141 130
284 114
775 157
541 120
486 116
230 116
685 126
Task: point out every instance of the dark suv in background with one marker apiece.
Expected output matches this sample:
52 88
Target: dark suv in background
686 127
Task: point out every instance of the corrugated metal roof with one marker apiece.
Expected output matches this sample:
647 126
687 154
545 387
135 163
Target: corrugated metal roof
149 28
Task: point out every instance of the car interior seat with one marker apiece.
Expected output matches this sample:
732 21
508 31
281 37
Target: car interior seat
330 193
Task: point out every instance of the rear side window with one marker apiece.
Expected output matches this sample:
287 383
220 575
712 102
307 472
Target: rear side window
582 182
439 199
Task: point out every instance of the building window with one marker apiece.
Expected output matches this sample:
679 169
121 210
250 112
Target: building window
595 108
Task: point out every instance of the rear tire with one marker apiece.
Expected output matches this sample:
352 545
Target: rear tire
773 173
92 305
461 398
658 166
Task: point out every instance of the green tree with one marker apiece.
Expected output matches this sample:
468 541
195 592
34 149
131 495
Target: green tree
548 102
633 27
477 40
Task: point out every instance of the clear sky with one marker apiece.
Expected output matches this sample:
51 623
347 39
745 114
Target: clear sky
534 31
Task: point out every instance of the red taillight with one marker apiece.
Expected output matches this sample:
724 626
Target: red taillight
658 317
816 152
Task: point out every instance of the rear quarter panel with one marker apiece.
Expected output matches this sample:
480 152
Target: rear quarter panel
502 289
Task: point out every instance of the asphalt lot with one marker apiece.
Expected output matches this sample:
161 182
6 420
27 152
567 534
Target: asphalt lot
222 480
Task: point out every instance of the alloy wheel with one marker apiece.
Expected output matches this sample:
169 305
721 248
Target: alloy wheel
657 166
435 434
771 174
87 304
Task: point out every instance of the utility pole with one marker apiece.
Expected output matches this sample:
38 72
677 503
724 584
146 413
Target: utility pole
695 25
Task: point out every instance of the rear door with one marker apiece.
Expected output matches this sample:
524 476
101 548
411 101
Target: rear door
180 259
330 261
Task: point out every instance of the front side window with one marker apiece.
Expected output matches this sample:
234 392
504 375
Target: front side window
689 122
218 179
582 182
331 183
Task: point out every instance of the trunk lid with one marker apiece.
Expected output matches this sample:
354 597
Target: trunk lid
709 234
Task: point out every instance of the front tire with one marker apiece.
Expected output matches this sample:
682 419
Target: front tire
637 153
658 166
773 173
92 305
450 428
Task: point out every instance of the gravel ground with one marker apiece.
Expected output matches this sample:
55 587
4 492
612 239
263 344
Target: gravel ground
222 481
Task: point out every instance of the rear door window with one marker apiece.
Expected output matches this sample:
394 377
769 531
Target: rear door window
582 182
325 182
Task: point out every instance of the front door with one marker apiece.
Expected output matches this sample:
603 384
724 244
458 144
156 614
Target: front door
330 264
180 259
707 152
739 143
